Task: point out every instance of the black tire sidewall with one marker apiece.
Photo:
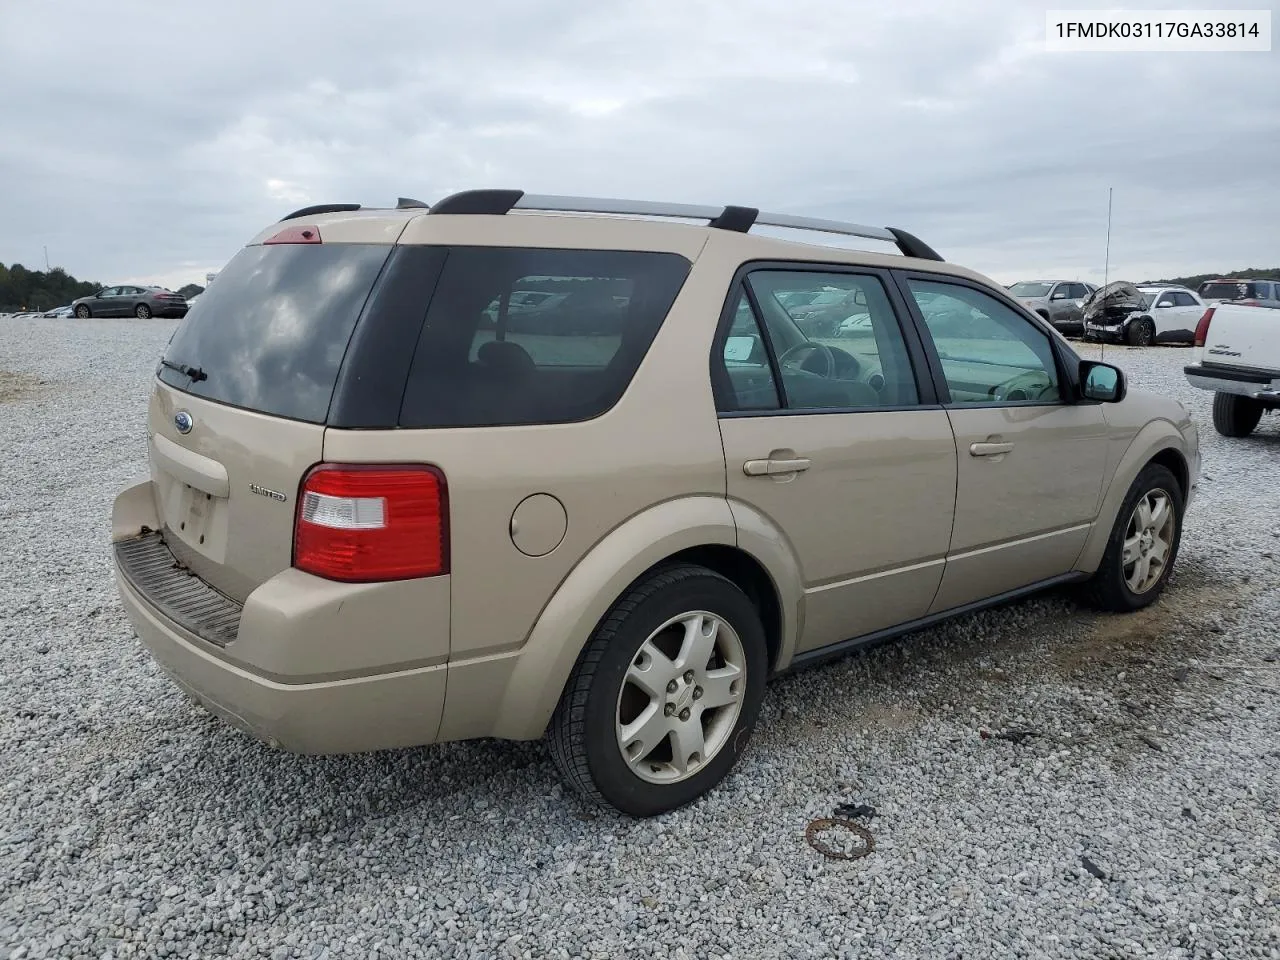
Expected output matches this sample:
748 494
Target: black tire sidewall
1138 337
1153 476
615 781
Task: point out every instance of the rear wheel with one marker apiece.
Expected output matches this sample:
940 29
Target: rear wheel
664 697
1143 545
142 312
1141 333
82 312
1235 416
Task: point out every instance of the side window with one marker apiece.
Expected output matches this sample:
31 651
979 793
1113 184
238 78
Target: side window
1078 291
744 381
1060 291
1184 300
836 340
517 335
1166 299
989 353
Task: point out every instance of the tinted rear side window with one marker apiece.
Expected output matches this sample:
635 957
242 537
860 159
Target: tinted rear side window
520 335
270 333
1228 291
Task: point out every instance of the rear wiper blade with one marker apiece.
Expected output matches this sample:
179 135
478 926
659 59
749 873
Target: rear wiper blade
195 373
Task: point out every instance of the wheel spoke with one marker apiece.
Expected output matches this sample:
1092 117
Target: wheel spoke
642 735
1132 550
1144 513
1159 551
687 745
699 642
721 687
1141 570
1160 513
650 670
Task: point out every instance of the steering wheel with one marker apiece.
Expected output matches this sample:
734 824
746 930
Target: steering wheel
1031 385
809 345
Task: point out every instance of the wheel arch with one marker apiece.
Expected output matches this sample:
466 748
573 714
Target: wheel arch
1158 442
699 530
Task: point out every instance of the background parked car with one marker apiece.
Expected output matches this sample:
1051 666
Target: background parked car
1058 301
1163 315
131 301
58 312
1250 293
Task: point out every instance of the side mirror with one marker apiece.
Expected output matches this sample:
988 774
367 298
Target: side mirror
1059 295
1164 303
1101 381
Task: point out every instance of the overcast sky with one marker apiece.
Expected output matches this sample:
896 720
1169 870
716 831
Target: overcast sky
146 141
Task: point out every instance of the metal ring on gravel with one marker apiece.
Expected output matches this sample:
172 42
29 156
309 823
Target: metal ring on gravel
816 827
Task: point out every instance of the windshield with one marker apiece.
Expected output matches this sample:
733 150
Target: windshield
1031 289
270 335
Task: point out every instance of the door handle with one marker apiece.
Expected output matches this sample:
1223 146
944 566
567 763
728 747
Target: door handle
772 468
989 449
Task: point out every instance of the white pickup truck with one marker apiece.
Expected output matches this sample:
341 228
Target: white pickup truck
1238 357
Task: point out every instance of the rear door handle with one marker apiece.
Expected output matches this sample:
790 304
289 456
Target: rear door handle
772 468
989 449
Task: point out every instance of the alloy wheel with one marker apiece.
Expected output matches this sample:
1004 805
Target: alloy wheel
681 697
1148 541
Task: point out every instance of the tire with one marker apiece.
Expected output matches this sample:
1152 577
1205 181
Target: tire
1112 587
82 312
142 312
1235 416
648 629
1141 333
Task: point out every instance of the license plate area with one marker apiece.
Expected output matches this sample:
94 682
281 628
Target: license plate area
196 518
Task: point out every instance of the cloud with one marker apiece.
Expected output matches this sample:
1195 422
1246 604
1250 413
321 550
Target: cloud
144 140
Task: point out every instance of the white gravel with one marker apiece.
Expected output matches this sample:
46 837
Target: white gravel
136 825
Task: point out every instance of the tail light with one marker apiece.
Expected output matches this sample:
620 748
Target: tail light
361 523
1202 328
296 235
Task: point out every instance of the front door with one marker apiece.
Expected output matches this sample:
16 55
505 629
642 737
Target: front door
839 445
1030 463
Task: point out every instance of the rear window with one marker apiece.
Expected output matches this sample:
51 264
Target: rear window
270 334
520 335
1228 291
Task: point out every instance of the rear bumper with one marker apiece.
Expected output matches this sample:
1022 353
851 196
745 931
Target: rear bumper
313 667
1257 385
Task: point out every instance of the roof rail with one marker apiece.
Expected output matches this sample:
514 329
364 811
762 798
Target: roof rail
738 219
321 208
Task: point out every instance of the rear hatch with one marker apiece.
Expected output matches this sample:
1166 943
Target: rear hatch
244 387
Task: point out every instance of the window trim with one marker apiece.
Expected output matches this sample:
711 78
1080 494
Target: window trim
917 357
1066 360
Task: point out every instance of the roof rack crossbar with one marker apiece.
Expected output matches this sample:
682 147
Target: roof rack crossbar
739 219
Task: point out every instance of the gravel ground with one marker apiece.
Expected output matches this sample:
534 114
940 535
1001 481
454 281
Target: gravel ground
136 825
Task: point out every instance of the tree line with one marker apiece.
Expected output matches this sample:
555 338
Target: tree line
22 289
1193 283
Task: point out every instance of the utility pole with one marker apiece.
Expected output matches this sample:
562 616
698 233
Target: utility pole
46 259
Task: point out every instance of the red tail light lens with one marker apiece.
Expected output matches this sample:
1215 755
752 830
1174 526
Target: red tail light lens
1202 328
362 523
296 235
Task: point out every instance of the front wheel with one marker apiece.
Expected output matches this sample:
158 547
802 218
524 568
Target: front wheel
1234 415
1143 546
142 312
665 695
1141 333
82 312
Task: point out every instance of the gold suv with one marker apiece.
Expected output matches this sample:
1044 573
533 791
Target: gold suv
517 466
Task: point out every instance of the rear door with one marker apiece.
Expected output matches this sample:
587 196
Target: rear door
238 412
840 445
1030 464
1180 325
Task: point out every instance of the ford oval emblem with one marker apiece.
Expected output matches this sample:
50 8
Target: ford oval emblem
182 420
